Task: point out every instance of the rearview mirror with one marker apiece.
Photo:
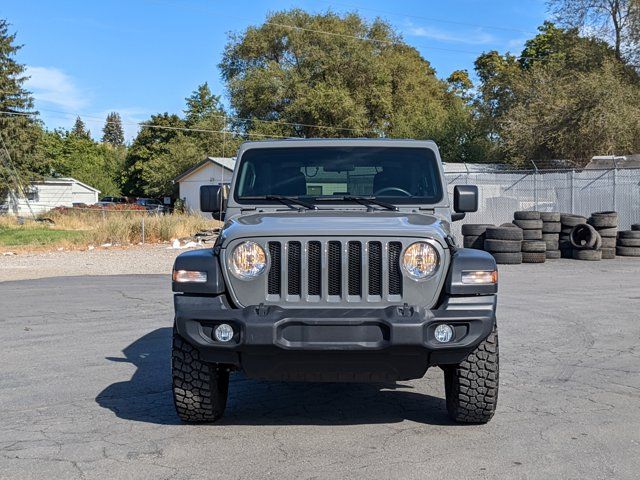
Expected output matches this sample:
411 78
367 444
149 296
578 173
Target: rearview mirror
465 199
212 198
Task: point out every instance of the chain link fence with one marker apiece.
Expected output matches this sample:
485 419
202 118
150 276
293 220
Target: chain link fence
567 191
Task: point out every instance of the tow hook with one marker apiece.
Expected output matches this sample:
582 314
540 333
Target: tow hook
405 310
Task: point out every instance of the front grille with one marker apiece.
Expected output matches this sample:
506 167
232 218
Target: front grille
375 268
335 269
295 268
273 283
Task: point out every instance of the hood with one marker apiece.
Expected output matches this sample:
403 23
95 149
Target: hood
334 223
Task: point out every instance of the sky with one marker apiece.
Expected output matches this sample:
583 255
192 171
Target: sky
141 57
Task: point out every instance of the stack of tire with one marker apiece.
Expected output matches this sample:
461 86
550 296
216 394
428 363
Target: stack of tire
606 224
567 222
533 247
505 244
586 243
473 235
551 228
629 242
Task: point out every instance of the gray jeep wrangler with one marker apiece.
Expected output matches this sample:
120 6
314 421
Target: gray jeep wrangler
336 264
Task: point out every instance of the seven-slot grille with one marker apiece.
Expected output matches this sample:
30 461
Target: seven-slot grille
334 270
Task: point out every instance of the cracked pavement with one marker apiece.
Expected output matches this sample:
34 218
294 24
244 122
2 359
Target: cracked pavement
85 392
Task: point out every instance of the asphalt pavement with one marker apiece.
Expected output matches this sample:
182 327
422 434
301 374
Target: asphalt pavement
85 392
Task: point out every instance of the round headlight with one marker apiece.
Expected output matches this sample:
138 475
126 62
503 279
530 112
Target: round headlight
420 260
248 260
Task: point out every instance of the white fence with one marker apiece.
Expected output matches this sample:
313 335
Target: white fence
573 191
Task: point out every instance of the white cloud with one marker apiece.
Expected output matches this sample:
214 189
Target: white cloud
54 87
476 37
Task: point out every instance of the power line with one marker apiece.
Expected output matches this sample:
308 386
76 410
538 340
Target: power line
324 32
16 178
431 19
161 127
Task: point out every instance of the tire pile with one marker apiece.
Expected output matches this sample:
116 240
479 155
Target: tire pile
567 222
628 244
505 244
474 235
586 243
551 228
606 224
535 237
533 247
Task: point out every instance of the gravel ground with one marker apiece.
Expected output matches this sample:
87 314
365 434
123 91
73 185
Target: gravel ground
143 259
85 391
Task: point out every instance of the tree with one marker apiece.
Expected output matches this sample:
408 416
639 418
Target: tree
112 132
80 130
612 20
573 116
566 97
98 165
19 127
152 141
359 80
170 144
206 116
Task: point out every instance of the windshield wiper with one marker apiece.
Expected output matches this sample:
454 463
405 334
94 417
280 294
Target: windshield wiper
285 200
366 201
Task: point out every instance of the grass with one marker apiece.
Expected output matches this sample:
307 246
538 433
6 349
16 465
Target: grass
76 228
38 237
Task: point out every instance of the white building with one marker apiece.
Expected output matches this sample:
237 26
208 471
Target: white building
47 194
211 171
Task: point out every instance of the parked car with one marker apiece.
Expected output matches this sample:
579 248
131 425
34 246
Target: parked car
114 199
152 205
106 204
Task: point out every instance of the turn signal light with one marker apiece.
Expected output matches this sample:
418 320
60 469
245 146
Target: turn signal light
189 276
481 277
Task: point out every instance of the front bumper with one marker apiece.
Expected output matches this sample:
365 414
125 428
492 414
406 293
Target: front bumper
392 343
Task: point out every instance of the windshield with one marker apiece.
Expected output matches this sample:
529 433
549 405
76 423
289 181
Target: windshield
397 175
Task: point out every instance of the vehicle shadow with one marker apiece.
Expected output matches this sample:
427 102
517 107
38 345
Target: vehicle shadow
146 396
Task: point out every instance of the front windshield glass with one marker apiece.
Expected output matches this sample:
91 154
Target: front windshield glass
392 174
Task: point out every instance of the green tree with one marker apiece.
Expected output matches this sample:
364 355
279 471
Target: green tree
206 117
612 20
169 145
80 130
98 165
339 85
566 97
112 132
152 142
20 133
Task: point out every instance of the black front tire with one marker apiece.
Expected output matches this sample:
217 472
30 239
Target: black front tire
199 389
472 386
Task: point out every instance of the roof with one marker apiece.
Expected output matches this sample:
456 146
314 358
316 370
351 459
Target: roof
65 180
471 167
613 161
226 163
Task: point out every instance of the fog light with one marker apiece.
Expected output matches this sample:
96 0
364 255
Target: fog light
444 333
223 332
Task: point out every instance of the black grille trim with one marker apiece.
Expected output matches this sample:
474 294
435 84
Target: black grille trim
315 268
355 269
335 268
375 268
294 272
395 275
273 282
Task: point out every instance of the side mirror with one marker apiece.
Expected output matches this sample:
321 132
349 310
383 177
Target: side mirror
212 198
465 199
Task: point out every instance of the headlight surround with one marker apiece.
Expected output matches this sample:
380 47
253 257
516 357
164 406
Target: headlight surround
248 260
420 260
